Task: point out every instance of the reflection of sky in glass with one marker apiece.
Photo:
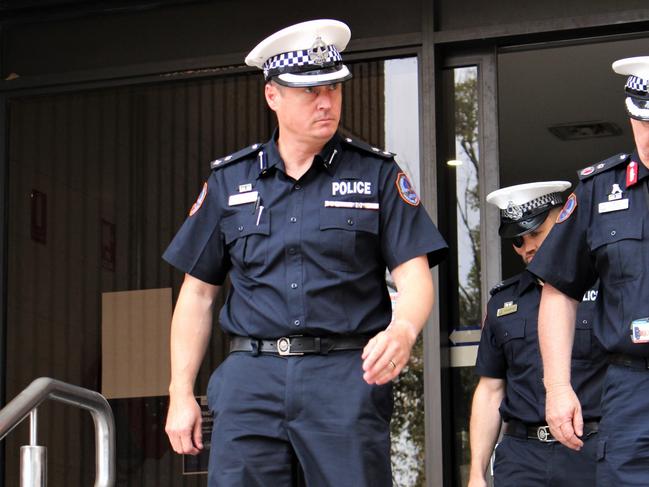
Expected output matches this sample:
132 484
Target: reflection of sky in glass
402 114
466 177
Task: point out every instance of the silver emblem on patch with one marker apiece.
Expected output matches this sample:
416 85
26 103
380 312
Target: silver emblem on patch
513 211
318 52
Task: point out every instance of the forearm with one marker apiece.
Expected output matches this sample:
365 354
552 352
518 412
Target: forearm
191 328
557 315
485 423
415 296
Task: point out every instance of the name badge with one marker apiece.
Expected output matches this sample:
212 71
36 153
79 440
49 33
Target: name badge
242 198
615 205
508 308
640 330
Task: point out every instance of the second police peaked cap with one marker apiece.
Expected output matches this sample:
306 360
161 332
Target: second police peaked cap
304 54
637 85
524 207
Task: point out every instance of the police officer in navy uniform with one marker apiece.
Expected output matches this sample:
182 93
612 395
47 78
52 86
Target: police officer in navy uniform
510 388
602 232
305 226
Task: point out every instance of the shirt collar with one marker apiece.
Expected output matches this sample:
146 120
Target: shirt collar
643 171
526 280
329 157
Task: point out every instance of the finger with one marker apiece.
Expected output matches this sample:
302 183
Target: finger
382 362
186 444
368 348
377 351
578 423
197 436
569 438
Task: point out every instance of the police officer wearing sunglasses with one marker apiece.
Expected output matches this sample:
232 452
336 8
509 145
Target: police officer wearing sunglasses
510 388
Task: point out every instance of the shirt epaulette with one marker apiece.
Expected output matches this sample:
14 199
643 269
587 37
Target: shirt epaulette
236 156
364 146
504 284
602 166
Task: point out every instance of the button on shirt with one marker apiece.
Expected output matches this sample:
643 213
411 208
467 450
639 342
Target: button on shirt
609 245
509 350
309 256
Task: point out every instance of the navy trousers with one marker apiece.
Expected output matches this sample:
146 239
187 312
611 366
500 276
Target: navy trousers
270 411
623 450
531 463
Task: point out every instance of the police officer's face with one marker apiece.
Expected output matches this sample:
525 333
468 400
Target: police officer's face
533 240
641 136
310 114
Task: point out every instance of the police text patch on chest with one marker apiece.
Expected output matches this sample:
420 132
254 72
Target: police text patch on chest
640 330
242 198
615 205
351 187
508 308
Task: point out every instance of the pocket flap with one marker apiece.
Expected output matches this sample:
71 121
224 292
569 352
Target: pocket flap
613 231
350 219
243 224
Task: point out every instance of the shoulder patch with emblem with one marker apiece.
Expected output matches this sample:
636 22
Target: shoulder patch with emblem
568 207
364 146
199 201
236 156
406 190
602 166
504 284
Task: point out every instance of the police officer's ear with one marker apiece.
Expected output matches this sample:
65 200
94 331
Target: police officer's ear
272 92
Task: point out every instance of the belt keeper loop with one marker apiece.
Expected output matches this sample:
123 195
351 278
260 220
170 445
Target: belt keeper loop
325 346
316 345
255 344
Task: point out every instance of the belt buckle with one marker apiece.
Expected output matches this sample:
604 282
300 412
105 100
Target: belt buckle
543 434
284 347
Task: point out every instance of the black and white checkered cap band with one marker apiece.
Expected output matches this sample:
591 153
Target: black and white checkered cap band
295 61
515 212
636 83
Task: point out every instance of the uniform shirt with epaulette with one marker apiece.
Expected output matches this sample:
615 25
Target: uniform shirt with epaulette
602 233
306 256
509 350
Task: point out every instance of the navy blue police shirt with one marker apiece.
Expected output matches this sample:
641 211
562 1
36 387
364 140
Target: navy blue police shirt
509 350
602 233
307 256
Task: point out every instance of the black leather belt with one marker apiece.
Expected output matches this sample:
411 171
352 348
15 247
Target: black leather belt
298 345
541 432
629 361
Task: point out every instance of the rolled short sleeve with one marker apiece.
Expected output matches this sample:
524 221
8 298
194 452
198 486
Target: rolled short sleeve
564 260
491 358
198 248
406 229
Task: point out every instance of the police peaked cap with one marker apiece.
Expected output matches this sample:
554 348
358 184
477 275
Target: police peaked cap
524 207
304 54
637 85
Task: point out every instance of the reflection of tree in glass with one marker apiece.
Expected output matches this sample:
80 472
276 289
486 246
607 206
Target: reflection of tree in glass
466 136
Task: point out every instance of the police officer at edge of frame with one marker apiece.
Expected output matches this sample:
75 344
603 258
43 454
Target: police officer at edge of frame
305 225
602 233
510 388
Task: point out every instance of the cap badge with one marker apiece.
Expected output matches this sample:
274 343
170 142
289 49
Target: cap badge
318 52
513 211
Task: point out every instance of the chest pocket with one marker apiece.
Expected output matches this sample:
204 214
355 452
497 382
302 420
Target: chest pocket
510 336
348 237
618 249
246 241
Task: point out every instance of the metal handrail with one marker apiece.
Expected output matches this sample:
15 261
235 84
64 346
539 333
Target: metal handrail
44 388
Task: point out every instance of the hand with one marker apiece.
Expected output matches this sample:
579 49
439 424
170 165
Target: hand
184 425
563 414
388 352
